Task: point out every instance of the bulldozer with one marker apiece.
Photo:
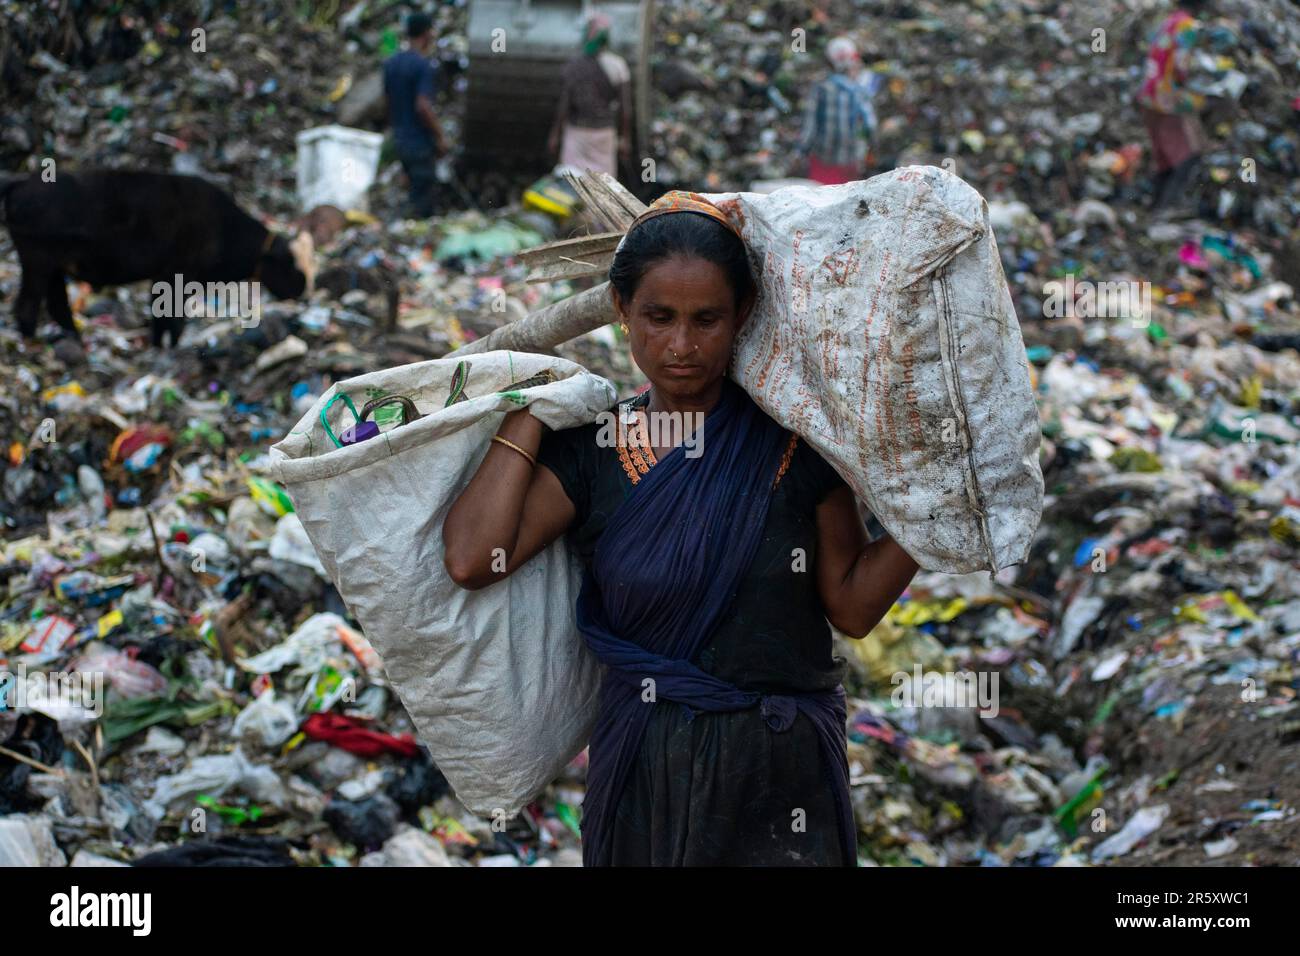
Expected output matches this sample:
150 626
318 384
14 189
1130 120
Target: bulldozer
517 52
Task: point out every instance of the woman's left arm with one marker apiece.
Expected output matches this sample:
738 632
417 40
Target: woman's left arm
858 580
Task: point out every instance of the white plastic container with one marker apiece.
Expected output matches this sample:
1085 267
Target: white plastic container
336 166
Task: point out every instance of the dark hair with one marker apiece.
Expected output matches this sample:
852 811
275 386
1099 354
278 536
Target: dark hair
418 24
692 235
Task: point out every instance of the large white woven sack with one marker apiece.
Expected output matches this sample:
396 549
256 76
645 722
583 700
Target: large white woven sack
885 335
498 681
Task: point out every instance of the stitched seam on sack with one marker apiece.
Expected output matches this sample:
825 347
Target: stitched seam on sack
953 380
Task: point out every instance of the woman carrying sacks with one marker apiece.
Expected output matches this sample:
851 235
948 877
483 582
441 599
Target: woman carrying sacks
714 560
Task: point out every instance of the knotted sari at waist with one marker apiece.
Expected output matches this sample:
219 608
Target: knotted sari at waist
667 568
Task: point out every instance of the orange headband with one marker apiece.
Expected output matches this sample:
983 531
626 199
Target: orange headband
679 200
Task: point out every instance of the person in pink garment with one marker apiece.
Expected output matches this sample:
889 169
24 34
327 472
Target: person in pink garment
1169 108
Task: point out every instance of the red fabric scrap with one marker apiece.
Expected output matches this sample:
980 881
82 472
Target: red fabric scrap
352 735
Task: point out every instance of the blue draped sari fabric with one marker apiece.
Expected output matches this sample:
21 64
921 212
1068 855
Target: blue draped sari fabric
666 570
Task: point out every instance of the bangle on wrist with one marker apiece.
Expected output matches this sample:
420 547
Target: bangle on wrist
509 444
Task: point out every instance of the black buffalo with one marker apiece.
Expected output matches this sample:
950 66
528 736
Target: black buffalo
111 227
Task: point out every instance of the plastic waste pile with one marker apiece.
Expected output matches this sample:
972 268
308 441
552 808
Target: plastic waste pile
177 672
1060 149
218 90
182 685
1164 578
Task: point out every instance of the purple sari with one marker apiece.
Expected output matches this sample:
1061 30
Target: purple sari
665 571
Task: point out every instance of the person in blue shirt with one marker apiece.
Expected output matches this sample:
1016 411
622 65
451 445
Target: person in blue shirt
410 84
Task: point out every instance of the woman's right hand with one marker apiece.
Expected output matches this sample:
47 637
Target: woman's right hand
510 511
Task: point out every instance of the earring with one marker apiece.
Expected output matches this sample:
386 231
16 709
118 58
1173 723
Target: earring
623 326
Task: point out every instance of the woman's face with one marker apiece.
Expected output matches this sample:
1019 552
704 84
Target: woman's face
681 323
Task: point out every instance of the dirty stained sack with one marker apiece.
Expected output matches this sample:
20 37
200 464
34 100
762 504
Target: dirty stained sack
884 334
500 686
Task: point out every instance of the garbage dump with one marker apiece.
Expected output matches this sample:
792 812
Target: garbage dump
182 682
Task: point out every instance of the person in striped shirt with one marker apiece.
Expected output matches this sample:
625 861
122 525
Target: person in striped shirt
840 118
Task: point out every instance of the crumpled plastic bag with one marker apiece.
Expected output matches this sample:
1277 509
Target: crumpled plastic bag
215 775
268 721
